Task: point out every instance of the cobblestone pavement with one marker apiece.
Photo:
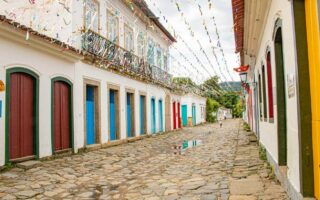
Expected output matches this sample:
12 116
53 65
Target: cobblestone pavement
225 166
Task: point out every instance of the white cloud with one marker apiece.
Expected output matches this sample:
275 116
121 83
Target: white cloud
222 11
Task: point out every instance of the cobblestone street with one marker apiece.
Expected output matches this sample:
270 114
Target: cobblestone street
224 165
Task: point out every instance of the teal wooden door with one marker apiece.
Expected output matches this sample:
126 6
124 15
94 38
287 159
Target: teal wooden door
112 116
194 121
184 115
129 115
153 116
90 115
142 117
160 116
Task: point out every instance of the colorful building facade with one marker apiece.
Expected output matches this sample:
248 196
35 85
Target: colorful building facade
80 75
312 18
271 39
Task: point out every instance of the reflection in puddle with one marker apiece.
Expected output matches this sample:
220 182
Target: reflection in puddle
186 144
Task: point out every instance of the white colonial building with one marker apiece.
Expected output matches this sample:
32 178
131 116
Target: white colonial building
81 74
271 39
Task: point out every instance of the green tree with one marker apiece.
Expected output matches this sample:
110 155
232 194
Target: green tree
238 109
212 107
231 100
212 87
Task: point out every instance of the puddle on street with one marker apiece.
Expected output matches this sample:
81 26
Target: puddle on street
186 144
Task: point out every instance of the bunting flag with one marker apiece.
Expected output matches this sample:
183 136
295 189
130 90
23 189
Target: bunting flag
187 24
192 34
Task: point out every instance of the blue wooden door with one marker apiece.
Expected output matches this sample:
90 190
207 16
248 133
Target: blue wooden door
112 116
160 116
184 115
194 121
153 116
142 111
128 116
90 115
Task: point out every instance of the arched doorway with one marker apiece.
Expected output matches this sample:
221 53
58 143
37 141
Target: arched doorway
62 117
281 96
22 100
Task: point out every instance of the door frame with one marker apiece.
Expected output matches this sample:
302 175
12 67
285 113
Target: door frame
303 99
36 108
174 112
161 129
67 81
179 114
132 104
111 86
313 30
256 108
168 107
97 109
153 115
281 96
186 115
194 114
144 95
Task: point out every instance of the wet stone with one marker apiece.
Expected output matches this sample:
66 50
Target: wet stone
225 165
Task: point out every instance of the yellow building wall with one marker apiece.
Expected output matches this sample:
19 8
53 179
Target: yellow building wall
314 68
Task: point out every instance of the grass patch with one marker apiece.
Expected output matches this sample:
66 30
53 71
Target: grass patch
7 167
262 153
270 168
246 127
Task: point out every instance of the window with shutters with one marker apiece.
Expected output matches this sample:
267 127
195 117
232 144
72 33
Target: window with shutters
141 45
92 15
112 27
128 38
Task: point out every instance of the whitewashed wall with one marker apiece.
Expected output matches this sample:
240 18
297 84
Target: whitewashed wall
104 78
47 66
268 131
199 102
52 19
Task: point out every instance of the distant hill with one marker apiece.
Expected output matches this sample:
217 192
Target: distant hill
236 86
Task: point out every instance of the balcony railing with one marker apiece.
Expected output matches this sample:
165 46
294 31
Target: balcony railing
122 59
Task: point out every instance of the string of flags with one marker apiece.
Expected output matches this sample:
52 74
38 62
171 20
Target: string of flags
185 43
187 24
64 13
218 46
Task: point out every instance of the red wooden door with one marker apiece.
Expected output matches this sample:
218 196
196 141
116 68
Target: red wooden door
179 116
21 116
61 107
174 116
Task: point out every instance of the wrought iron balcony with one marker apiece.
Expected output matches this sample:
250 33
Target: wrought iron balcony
122 59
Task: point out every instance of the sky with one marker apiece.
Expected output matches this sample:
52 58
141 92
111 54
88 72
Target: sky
187 49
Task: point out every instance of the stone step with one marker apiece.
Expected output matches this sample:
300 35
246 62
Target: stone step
28 164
